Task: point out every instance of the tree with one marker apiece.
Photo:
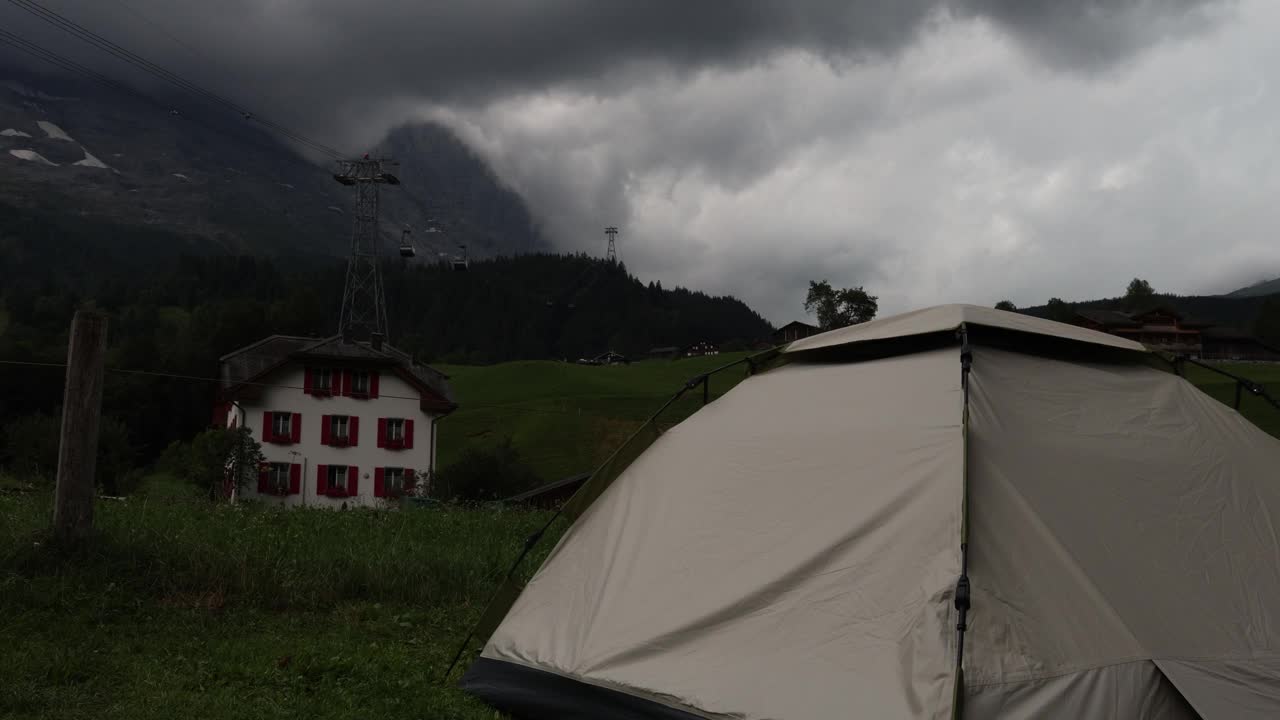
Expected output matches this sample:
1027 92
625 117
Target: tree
1267 325
1059 310
839 308
1006 305
1138 291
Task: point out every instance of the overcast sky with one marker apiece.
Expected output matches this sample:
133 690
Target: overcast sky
931 150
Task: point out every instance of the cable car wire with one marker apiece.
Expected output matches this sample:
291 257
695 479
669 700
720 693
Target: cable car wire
88 36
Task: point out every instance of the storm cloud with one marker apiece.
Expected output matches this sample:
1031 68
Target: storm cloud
932 150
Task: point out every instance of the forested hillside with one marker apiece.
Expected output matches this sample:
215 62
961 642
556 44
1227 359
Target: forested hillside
179 316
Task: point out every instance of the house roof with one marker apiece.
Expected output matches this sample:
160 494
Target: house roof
950 317
1228 333
255 360
549 487
797 323
1109 318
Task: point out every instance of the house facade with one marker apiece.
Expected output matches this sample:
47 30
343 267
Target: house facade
1165 329
341 424
1159 328
792 331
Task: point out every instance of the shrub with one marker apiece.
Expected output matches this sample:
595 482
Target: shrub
487 473
31 451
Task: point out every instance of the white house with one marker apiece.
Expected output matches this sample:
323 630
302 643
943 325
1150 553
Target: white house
341 424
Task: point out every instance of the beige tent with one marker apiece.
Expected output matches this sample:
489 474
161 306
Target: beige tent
793 550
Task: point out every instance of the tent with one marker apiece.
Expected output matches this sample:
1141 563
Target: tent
957 512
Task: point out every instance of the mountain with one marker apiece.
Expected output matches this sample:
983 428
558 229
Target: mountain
216 182
1266 287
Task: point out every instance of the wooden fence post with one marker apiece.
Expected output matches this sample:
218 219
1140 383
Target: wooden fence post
78 445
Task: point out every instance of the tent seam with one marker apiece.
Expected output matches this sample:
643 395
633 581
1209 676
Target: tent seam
1115 663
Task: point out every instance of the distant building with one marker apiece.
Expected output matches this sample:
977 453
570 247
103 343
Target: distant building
665 353
1159 328
1224 343
551 495
700 349
792 331
1162 328
341 423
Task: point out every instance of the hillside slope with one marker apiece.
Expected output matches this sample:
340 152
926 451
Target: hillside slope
566 418
1266 287
72 148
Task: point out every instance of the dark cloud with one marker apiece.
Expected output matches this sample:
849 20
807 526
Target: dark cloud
933 150
337 61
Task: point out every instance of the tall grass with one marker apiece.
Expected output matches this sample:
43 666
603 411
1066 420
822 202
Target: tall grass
188 551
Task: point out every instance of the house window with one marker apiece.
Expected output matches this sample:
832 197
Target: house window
278 478
395 430
393 480
338 428
282 425
322 380
337 477
359 383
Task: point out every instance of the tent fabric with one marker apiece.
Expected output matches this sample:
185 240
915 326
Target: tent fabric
690 581
1117 513
949 317
790 551
1128 691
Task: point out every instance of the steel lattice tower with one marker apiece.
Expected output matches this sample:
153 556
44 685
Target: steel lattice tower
364 306
612 232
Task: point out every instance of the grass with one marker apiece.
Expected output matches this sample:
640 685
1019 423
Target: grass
179 608
1223 389
566 418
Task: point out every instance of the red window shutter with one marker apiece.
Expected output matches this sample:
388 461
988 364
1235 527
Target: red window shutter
353 481
297 427
322 479
266 426
410 479
382 432
325 436
408 434
308 382
353 430
295 479
373 384
379 483
262 478
346 382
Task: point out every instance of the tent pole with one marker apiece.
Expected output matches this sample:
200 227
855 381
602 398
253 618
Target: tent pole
962 596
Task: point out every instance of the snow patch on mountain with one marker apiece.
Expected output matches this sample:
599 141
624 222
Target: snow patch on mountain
10 132
180 175
33 156
53 131
90 161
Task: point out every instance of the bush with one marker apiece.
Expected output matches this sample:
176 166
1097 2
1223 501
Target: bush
31 451
487 473
210 456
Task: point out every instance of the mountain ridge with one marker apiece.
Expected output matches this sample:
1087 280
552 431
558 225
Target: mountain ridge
72 147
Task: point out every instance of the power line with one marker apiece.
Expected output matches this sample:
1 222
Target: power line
63 23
